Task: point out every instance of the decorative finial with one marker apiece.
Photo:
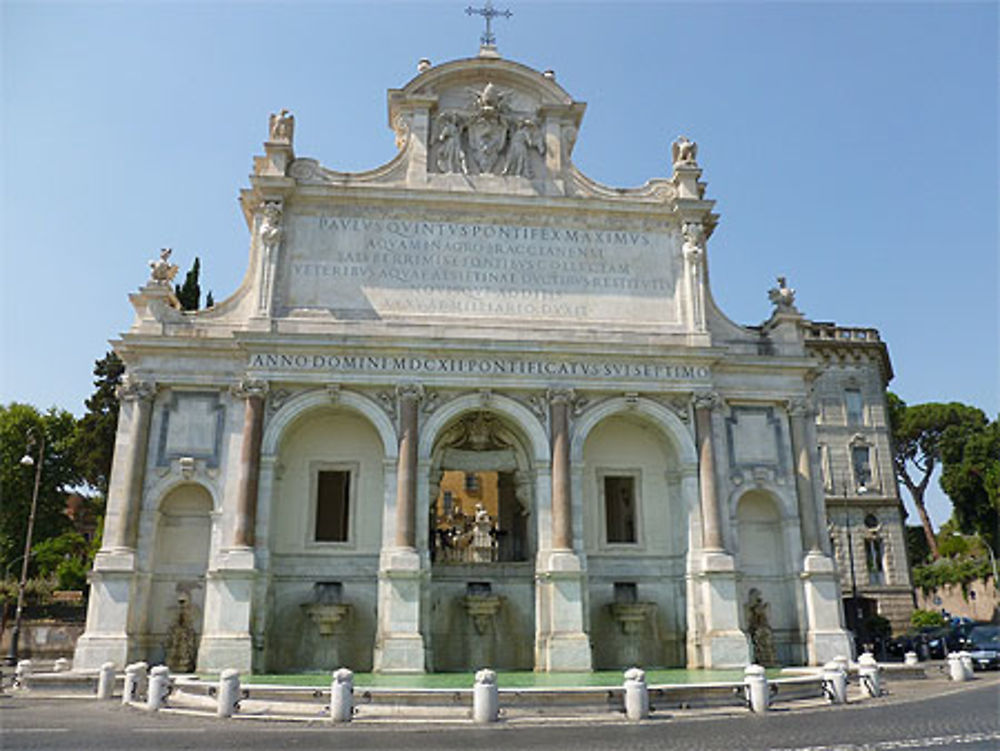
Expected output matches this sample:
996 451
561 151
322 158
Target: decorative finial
782 297
281 127
423 64
684 152
488 39
161 271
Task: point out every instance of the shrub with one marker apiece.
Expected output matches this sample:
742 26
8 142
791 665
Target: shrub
922 618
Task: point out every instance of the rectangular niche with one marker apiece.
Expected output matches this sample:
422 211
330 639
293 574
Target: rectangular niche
754 435
191 426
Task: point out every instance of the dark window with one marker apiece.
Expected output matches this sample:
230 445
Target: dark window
471 483
873 558
861 462
619 509
332 494
855 407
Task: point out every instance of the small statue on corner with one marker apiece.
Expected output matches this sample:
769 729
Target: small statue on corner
161 271
783 297
684 152
281 127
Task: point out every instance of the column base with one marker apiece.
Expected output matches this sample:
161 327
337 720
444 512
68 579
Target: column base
399 644
561 644
725 650
226 641
106 636
823 646
721 643
93 651
825 637
217 653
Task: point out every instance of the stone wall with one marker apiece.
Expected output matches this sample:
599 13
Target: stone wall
981 603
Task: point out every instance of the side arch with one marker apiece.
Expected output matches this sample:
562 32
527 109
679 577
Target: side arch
676 433
299 405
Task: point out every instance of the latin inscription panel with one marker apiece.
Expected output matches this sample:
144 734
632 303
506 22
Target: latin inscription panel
371 267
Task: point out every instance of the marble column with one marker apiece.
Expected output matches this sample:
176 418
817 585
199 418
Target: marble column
798 412
710 517
406 476
140 395
562 521
253 393
399 641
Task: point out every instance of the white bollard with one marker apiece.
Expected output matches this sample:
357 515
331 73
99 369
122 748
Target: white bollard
955 668
228 695
835 681
61 665
910 658
130 692
22 675
966 659
869 674
636 694
142 681
485 697
106 681
159 687
845 664
758 692
342 696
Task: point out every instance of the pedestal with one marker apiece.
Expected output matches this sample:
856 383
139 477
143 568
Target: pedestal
723 643
825 634
561 644
225 641
111 591
399 644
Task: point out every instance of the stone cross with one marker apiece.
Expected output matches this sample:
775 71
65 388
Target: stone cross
489 13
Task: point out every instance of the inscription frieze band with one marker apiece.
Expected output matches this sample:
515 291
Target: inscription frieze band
497 366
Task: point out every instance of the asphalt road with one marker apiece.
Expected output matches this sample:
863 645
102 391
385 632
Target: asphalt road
965 718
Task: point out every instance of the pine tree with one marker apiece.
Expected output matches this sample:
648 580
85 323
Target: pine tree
189 293
94 442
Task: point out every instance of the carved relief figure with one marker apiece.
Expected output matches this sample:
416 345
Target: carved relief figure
783 296
281 127
451 155
488 129
525 137
161 271
694 254
271 233
684 152
759 630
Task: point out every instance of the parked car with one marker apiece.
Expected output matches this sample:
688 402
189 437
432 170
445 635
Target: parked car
931 642
984 647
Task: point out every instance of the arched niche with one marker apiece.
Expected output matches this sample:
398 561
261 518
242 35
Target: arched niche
181 547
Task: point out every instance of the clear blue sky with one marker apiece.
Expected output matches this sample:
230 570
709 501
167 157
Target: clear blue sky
851 146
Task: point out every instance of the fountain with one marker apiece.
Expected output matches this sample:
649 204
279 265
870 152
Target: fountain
631 616
326 611
481 605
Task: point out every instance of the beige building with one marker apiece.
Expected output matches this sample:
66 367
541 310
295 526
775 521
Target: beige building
472 408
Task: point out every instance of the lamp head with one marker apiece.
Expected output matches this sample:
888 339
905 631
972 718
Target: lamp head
27 461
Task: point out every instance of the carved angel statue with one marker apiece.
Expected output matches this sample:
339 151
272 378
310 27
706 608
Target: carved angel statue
684 152
525 137
450 155
281 127
161 270
782 296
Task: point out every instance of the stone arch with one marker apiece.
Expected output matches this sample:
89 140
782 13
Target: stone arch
677 434
522 419
298 406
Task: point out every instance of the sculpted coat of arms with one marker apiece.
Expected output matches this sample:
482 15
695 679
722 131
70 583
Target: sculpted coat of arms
491 139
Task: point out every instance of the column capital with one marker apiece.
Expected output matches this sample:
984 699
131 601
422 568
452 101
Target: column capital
409 391
706 400
133 388
801 407
249 388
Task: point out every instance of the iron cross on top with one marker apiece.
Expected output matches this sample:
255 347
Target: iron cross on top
489 13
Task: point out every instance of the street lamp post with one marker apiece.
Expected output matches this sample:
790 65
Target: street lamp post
858 623
26 461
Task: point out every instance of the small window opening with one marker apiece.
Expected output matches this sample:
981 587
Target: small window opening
619 509
332 494
626 593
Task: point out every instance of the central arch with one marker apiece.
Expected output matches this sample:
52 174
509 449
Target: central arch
480 462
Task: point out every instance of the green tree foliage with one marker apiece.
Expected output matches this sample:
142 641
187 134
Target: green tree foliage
209 300
59 471
94 443
971 478
189 293
922 618
65 559
918 434
917 548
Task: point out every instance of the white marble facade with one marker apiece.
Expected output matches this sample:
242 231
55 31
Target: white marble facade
477 308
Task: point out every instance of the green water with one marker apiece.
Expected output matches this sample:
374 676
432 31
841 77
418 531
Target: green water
512 679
